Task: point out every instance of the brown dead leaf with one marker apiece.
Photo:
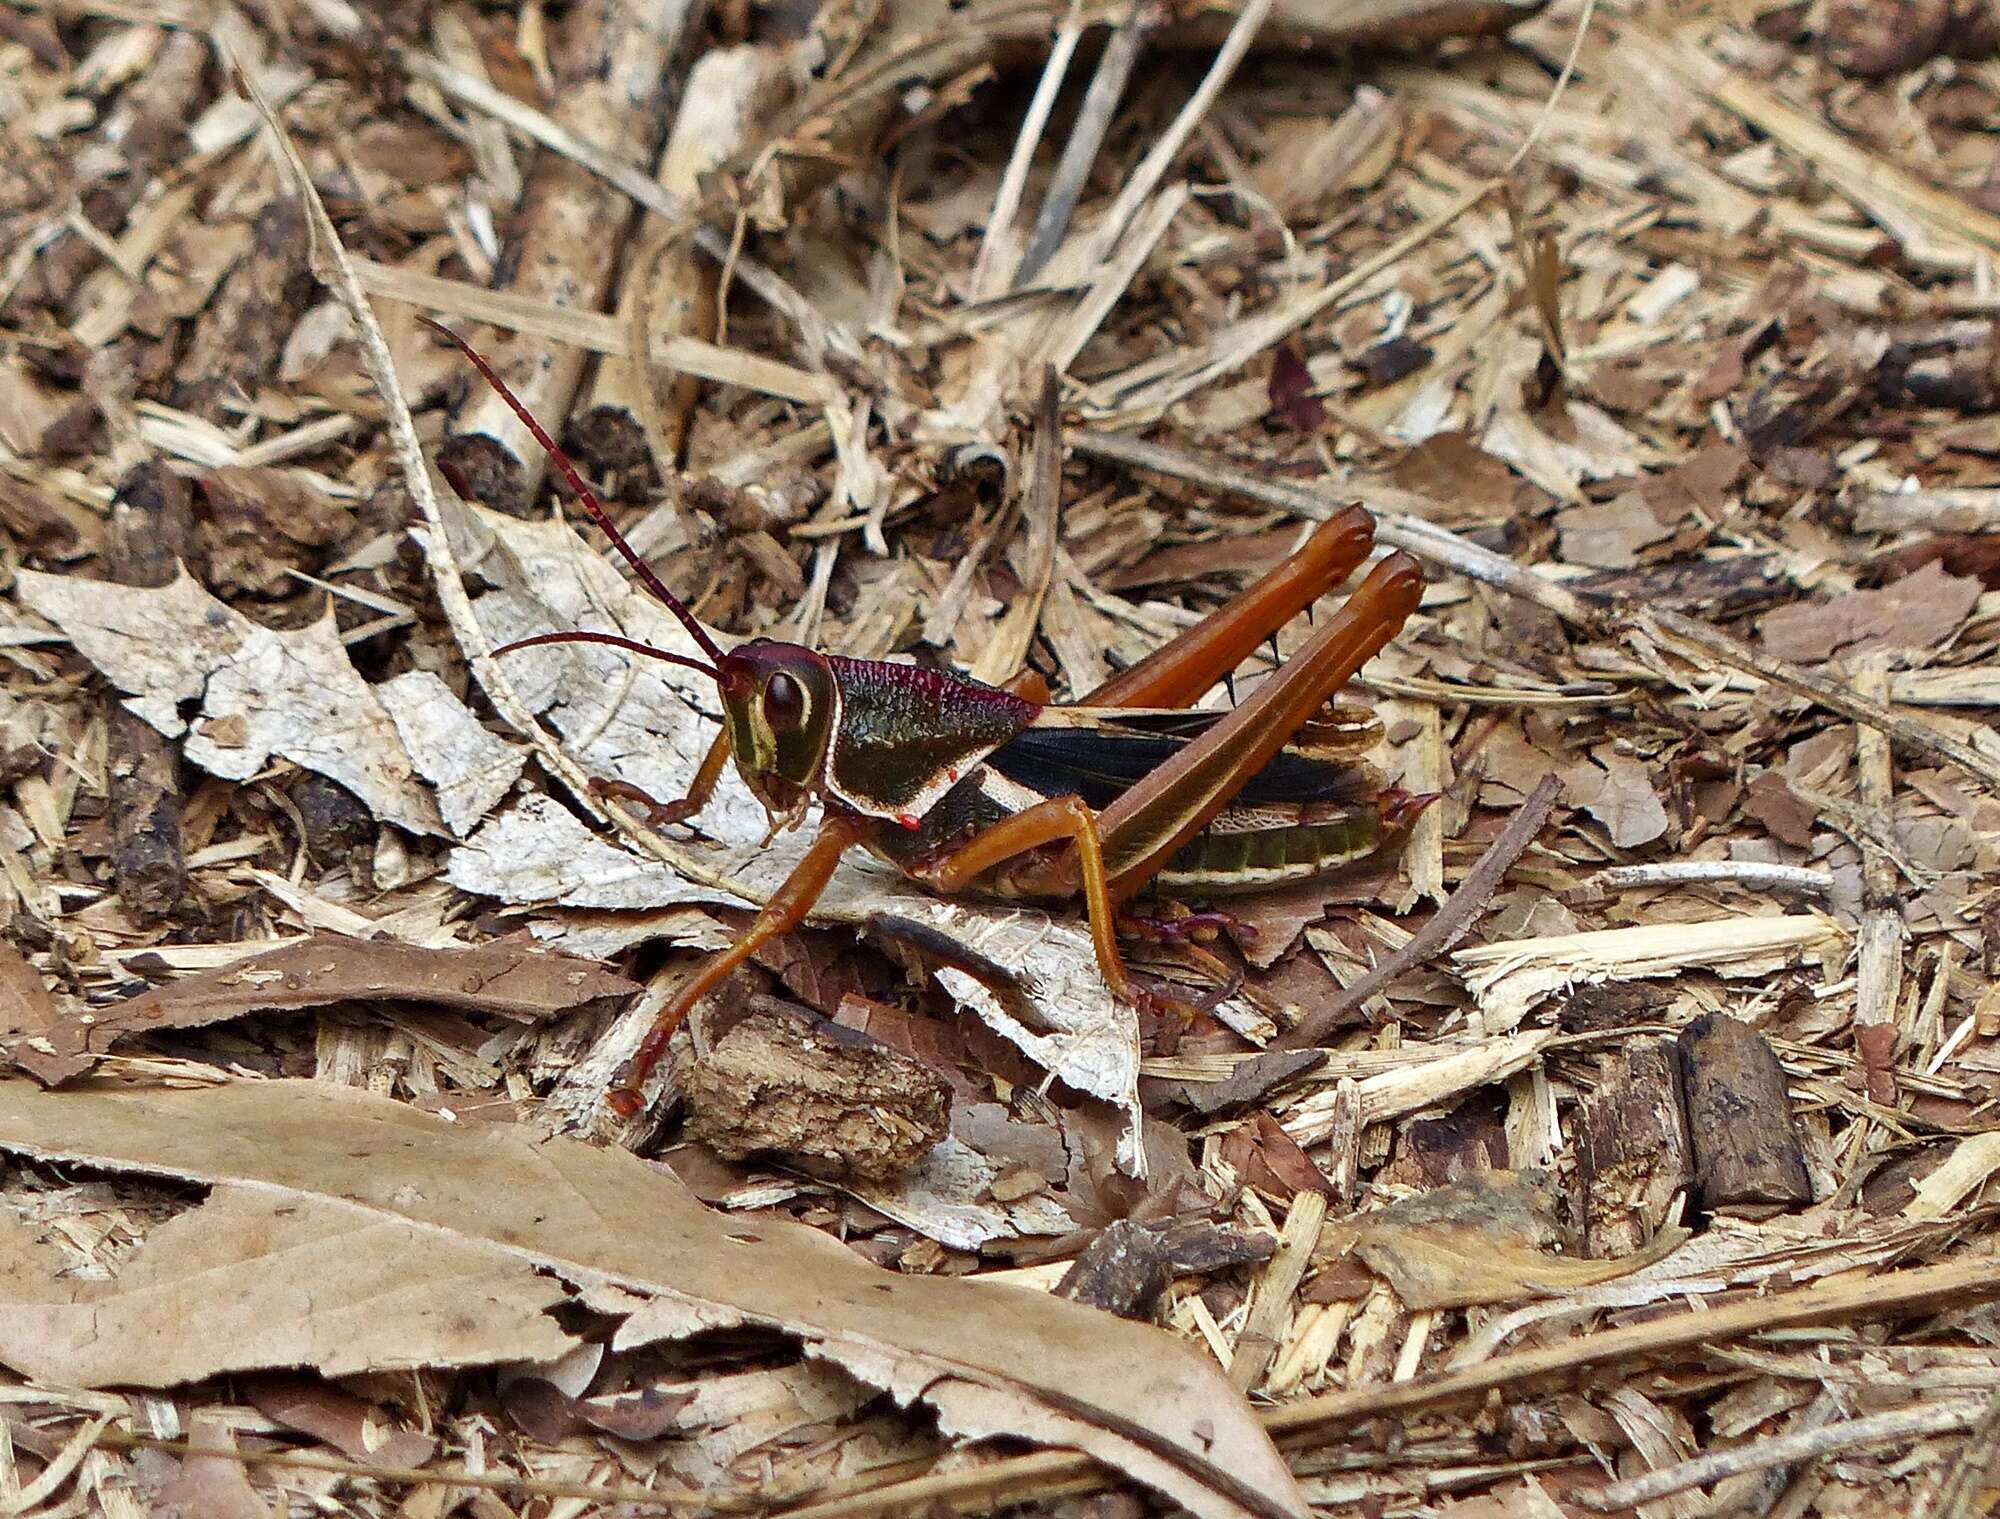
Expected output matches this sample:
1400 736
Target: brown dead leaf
1269 1159
1770 801
211 1486
511 980
1912 613
27 1014
501 1205
1291 388
356 1428
252 1280
1455 472
1608 536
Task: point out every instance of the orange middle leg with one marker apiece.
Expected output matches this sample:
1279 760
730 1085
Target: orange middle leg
1059 819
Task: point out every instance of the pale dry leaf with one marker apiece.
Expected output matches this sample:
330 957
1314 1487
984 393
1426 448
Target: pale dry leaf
949 1198
1023 1363
1618 791
259 692
1609 535
470 767
623 717
539 854
253 1280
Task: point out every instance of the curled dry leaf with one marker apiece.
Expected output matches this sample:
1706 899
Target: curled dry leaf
511 980
259 692
1618 792
1486 1238
366 1176
471 769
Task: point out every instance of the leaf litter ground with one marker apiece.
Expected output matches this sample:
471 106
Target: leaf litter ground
324 952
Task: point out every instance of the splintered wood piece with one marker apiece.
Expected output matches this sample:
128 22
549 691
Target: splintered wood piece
821 1097
668 288
1634 1155
1746 1151
239 337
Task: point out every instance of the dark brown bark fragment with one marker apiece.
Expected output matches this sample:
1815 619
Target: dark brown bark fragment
1746 1151
239 338
1126 1268
1635 1151
818 1096
152 525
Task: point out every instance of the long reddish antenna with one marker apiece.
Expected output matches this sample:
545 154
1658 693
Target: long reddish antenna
587 499
629 645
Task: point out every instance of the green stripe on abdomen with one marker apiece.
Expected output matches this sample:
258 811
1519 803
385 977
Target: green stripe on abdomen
1216 863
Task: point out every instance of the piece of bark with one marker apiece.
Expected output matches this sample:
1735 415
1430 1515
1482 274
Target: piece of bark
1126 1268
1635 1152
152 525
636 411
1953 363
1746 1152
817 1096
612 62
239 338
149 124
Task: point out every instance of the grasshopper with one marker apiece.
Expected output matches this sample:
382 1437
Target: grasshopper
995 791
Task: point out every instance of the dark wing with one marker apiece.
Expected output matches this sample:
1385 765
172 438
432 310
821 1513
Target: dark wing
1100 761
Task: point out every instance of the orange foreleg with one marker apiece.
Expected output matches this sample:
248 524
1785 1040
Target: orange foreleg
783 913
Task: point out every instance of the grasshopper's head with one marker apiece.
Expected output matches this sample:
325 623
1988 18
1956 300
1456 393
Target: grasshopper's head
780 705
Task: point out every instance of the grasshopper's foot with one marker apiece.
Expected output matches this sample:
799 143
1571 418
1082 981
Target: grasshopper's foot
1177 925
658 814
1400 808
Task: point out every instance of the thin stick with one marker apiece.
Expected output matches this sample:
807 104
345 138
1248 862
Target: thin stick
818 333
1919 1289
1395 529
1917 737
1100 104
1007 200
420 1476
1751 875
1948 1416
1448 924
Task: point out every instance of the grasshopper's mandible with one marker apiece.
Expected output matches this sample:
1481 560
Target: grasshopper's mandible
970 788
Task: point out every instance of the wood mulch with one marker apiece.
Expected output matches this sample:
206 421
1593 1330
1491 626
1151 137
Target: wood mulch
1621 1141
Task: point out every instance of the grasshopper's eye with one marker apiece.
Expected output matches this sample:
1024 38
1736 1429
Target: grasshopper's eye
784 704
